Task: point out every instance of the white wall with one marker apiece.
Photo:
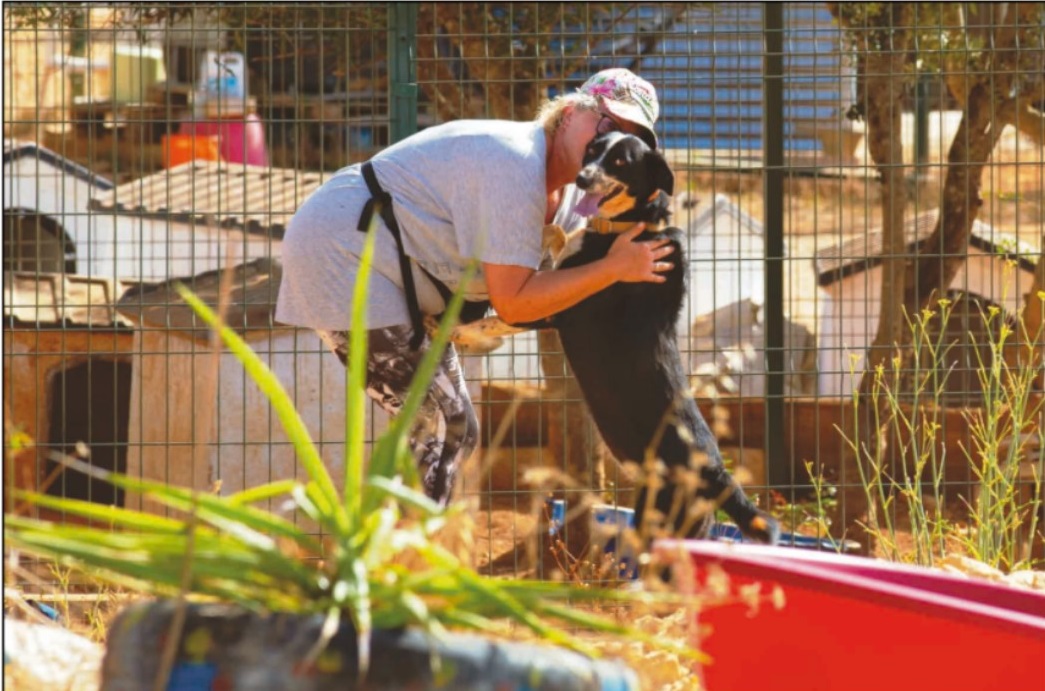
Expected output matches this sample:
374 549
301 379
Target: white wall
128 246
32 184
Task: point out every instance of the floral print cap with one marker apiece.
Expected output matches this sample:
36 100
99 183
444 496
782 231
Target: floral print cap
626 96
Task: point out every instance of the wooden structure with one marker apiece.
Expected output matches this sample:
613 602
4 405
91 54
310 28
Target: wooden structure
197 419
850 275
35 87
67 359
197 217
811 433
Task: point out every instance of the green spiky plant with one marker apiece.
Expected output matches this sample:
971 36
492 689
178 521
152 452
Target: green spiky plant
229 549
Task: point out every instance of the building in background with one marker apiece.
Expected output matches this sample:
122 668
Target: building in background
998 271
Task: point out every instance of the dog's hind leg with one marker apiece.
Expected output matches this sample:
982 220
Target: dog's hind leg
754 523
690 492
718 485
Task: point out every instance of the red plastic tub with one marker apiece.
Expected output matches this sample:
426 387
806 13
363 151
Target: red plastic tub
852 623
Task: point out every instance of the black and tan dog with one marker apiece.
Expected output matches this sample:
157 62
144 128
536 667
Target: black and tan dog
622 346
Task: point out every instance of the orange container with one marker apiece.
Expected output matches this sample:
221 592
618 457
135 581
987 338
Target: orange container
180 148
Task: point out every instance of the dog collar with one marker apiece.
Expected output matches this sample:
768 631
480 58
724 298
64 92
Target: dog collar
602 226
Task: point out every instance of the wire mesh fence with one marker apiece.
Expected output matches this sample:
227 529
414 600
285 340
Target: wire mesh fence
840 168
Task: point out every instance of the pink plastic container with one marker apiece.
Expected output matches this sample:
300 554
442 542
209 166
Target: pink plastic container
852 623
241 138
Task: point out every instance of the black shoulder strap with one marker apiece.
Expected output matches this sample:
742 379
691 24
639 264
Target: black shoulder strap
383 203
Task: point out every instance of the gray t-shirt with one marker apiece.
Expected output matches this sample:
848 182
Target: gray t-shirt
462 190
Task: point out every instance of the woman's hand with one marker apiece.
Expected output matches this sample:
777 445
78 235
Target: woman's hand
634 262
521 295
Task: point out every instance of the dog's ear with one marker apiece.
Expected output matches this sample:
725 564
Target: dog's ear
663 182
660 173
659 207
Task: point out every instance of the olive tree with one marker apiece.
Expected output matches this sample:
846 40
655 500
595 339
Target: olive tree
992 58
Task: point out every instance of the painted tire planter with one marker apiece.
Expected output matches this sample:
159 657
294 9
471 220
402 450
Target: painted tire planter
228 648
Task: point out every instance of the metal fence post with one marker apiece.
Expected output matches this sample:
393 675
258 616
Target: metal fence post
778 469
402 70
921 125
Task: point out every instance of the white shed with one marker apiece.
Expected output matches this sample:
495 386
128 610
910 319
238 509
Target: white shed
726 256
724 340
196 217
59 217
196 417
196 420
46 224
850 277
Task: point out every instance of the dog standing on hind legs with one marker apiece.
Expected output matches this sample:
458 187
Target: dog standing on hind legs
622 346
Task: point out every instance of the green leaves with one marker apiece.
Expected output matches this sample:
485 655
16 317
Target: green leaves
333 514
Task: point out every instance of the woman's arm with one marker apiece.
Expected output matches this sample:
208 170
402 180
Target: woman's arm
520 294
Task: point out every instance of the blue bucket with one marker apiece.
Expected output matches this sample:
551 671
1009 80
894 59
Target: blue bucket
727 532
608 523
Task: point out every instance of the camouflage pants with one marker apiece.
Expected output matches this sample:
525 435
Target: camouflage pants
446 430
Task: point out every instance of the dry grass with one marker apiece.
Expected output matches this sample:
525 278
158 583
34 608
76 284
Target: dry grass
498 530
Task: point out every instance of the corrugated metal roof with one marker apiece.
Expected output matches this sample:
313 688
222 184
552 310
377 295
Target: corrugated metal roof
251 301
707 67
41 300
255 199
706 62
864 253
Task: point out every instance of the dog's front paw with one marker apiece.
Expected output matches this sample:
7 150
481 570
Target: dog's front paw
762 528
475 338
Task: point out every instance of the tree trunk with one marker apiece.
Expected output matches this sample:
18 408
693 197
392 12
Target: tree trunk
883 87
995 81
942 254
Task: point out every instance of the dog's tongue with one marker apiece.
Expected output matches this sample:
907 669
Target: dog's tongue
589 204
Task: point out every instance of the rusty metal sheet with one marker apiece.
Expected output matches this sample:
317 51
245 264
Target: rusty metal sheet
251 301
53 299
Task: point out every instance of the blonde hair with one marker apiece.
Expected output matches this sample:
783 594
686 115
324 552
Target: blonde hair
552 111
